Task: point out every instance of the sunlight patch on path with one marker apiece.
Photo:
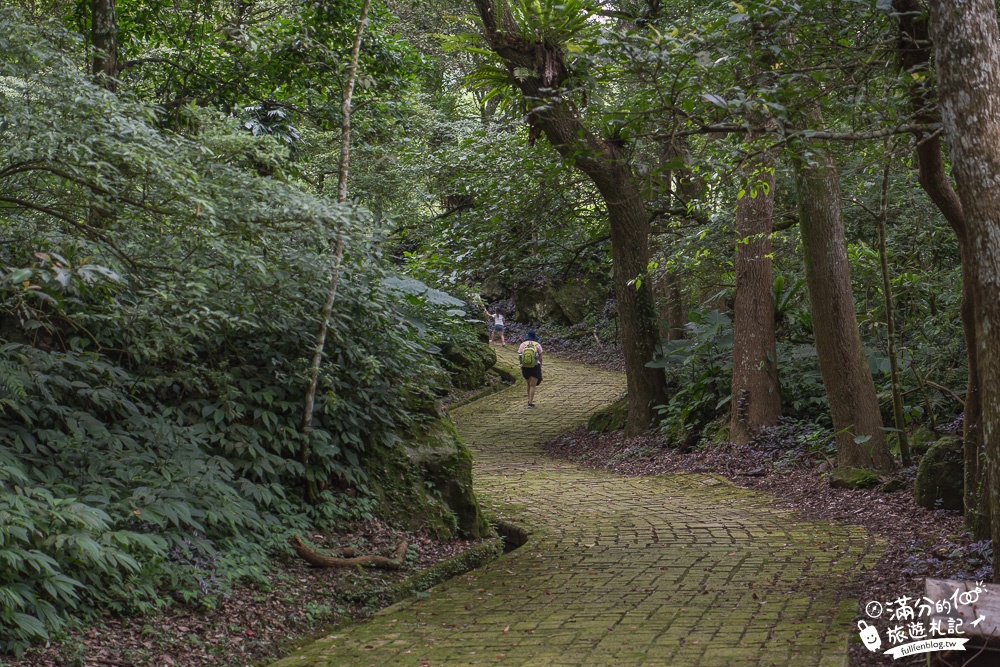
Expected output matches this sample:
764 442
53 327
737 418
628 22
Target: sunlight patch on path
679 570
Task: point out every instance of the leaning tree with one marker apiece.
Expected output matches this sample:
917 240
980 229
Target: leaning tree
532 51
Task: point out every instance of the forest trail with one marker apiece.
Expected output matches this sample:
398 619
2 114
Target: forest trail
680 570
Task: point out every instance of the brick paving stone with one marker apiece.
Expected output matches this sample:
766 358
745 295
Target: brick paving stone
680 570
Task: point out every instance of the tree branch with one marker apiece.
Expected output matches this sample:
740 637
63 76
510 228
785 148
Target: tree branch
86 229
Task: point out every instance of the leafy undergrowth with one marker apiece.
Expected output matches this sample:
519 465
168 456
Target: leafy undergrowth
919 543
253 623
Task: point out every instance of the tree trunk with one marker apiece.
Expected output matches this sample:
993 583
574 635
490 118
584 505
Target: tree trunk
756 397
629 223
338 255
104 37
915 54
968 63
603 161
848 382
673 314
345 105
890 315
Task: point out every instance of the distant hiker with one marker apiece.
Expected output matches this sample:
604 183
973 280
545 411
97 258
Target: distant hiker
497 326
529 355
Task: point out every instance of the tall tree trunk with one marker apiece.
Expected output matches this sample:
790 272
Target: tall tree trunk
331 294
673 314
890 315
604 163
915 54
104 37
629 222
967 43
104 69
756 397
848 382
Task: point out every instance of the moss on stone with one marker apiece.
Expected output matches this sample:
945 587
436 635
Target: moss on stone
853 478
567 304
426 482
576 298
474 558
535 304
940 483
610 418
468 363
446 466
921 439
893 485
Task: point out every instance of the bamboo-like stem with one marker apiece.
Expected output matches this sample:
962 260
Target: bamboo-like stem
331 295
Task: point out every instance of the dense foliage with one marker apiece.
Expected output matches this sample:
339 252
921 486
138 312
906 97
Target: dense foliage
159 305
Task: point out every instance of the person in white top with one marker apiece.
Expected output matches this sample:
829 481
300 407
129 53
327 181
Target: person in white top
497 326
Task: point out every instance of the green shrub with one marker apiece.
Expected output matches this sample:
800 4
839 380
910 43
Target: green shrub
700 366
158 310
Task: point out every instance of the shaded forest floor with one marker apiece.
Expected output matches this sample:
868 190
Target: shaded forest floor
919 542
253 623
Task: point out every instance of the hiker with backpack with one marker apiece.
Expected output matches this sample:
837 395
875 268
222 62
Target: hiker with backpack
529 355
497 326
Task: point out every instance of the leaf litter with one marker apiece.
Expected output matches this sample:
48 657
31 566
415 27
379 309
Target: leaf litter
253 623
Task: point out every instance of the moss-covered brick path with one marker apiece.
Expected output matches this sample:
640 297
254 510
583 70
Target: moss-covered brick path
683 570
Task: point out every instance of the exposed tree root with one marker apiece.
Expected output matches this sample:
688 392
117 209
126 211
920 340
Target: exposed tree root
319 560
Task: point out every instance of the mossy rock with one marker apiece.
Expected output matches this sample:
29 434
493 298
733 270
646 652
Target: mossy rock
536 304
567 304
576 298
468 364
893 485
853 478
610 418
494 288
921 439
426 482
940 483
446 466
504 374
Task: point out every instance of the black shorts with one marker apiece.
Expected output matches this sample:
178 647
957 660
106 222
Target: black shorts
535 372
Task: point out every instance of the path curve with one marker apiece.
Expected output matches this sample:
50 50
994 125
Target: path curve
679 570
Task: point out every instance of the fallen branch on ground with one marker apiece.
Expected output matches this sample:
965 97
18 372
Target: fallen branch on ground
319 560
